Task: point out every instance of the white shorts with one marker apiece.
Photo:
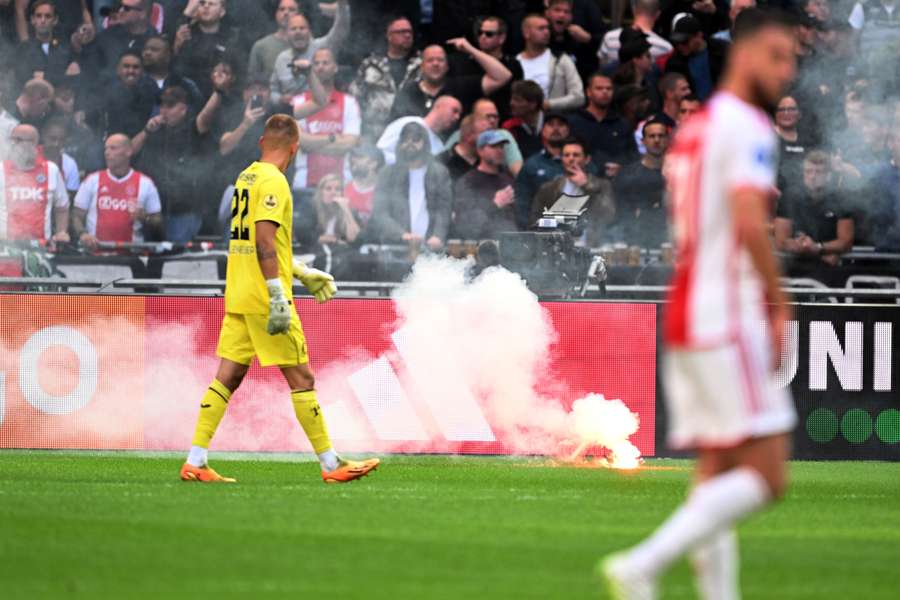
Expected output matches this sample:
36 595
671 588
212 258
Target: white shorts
723 396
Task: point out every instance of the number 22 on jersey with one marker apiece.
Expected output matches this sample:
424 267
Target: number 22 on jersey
240 208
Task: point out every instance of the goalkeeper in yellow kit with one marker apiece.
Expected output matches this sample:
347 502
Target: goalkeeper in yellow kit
260 319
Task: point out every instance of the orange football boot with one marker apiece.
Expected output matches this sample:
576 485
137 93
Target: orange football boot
203 474
350 470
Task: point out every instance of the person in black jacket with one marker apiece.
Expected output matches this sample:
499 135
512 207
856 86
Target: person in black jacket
695 54
171 154
200 45
31 59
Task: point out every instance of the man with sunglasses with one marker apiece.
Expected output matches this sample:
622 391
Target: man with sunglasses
490 34
100 55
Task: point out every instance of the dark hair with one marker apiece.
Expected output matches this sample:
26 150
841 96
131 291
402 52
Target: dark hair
159 36
130 52
595 75
393 18
501 24
654 120
529 90
37 3
574 140
751 21
571 3
277 4
174 94
689 98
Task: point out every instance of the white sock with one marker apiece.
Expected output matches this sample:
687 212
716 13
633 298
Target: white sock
329 460
713 506
716 567
198 456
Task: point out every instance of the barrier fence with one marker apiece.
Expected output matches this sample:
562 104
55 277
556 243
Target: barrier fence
114 371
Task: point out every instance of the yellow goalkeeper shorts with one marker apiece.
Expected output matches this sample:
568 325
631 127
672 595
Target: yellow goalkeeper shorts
245 336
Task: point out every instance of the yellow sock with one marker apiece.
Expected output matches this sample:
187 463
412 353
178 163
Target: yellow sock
212 409
306 407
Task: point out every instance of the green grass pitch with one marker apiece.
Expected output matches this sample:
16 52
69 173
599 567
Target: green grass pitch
120 525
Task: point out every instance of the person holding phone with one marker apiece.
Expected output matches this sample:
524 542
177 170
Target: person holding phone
291 72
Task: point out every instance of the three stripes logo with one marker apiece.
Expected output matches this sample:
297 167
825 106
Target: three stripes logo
434 402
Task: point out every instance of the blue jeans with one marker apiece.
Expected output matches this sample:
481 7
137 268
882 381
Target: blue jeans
182 228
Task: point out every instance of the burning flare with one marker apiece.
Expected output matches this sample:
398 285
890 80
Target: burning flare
597 421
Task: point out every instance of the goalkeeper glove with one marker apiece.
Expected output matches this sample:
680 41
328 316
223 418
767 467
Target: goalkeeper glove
319 283
279 308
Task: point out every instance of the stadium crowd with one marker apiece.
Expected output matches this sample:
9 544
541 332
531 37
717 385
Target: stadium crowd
425 121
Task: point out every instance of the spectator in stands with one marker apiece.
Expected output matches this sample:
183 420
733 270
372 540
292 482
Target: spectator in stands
462 157
544 166
381 75
639 189
417 97
673 88
81 142
812 223
30 107
169 152
128 101
53 139
488 117
526 107
156 58
100 54
46 55
239 126
632 102
793 143
886 188
557 75
608 136
366 161
701 62
736 8
34 203
117 204
880 29
203 43
483 204
688 105
266 50
635 63
70 15
329 125
567 37
291 70
490 34
576 181
645 14
711 16
413 198
441 119
336 224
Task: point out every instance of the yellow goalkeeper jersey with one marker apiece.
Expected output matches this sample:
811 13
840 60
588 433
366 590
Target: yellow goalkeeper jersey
261 193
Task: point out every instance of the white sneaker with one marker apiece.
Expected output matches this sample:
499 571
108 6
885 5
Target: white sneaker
623 582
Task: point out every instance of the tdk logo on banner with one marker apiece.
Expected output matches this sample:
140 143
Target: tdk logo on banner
845 352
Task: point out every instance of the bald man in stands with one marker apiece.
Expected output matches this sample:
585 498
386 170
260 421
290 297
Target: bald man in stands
117 204
34 204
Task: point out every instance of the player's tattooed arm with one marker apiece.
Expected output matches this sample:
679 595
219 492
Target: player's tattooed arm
265 248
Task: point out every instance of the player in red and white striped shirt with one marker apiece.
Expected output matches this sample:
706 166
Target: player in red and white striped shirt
720 358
